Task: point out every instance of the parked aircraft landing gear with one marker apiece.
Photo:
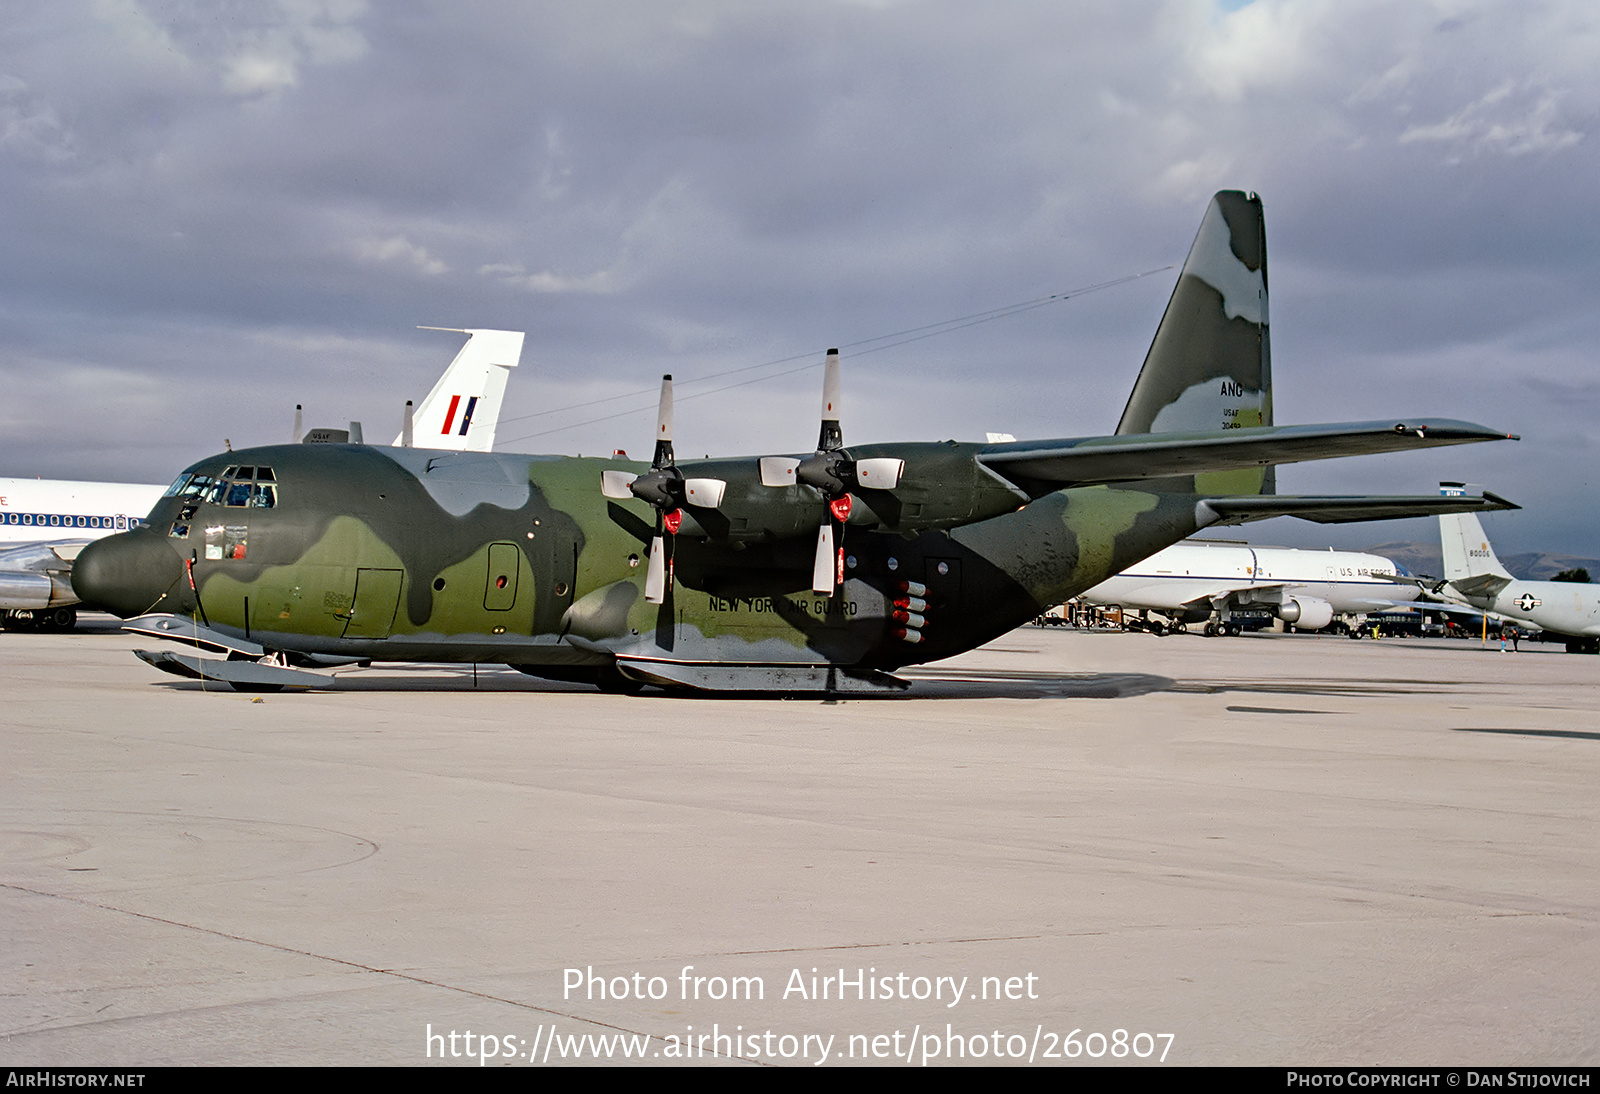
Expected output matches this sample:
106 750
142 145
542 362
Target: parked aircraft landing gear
51 619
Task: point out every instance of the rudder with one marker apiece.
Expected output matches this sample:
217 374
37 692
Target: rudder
1463 544
462 411
1210 364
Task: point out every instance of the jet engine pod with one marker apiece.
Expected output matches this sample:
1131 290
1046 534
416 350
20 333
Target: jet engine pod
1307 613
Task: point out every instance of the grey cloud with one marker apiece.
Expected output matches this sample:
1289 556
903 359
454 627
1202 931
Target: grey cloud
218 210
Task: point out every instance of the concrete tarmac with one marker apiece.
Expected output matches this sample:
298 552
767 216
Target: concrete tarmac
1064 847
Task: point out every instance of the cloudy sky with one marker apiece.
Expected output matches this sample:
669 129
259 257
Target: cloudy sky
215 209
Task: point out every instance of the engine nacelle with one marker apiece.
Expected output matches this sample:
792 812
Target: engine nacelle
1306 613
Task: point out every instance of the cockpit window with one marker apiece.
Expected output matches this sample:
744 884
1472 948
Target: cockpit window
196 486
239 487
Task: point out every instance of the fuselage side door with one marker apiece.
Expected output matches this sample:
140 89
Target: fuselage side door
377 598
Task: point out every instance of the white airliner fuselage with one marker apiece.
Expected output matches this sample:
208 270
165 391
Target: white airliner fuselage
39 510
1195 581
43 525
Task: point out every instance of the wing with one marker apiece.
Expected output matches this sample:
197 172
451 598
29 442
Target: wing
1089 460
1165 593
1342 510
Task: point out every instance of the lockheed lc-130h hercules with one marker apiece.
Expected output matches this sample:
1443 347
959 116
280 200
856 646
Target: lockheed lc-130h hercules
823 572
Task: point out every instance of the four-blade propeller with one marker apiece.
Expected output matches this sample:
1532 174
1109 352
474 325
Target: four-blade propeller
666 490
831 471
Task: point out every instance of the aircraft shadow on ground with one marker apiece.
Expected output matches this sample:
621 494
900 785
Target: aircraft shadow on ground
925 684
1577 734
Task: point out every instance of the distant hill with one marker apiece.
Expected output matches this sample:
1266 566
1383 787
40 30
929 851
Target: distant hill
1424 558
1542 567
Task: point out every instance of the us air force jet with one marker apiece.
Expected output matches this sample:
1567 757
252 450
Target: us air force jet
1212 583
1474 576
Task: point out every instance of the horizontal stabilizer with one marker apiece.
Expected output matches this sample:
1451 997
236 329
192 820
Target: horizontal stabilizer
1486 586
1090 460
1344 510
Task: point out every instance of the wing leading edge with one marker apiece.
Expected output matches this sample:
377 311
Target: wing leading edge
1344 510
1043 466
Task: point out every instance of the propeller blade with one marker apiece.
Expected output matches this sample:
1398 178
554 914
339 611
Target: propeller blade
706 493
655 581
822 566
880 474
832 436
663 454
614 484
778 470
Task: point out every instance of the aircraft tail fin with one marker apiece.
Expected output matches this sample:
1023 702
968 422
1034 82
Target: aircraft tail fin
1466 549
1210 364
463 409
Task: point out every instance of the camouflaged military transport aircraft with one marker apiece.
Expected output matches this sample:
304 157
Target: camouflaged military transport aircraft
816 573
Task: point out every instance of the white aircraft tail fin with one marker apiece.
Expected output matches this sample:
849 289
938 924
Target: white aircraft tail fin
1466 549
463 409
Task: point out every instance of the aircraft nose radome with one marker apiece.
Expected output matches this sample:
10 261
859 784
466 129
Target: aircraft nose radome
126 574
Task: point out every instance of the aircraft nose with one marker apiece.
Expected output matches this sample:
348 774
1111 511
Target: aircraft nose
126 574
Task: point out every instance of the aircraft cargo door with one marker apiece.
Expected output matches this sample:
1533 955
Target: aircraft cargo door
376 600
